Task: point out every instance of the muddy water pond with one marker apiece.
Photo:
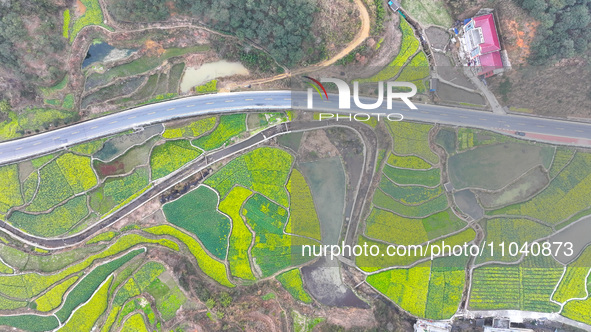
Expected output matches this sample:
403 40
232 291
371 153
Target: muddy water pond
467 202
578 234
327 181
326 178
195 76
103 52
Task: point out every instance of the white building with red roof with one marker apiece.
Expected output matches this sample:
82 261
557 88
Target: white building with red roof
481 48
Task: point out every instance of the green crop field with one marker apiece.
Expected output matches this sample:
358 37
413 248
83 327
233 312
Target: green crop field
8 304
412 162
88 148
129 290
386 202
93 15
408 47
228 127
573 284
147 274
373 263
446 284
429 178
53 188
89 283
412 139
213 268
561 158
170 156
84 318
567 194
406 287
380 224
53 298
33 323
30 284
134 323
519 231
40 161
417 69
78 171
409 195
194 129
54 223
292 281
574 281
67 175
196 212
105 236
273 250
168 299
579 309
303 219
429 12
264 170
10 190
117 190
241 237
527 286
30 186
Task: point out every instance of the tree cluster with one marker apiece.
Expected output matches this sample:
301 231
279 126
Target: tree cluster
17 46
564 29
281 27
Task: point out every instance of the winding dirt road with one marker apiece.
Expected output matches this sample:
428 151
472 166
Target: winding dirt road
360 37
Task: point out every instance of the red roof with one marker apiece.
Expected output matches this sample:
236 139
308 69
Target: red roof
490 62
489 32
492 59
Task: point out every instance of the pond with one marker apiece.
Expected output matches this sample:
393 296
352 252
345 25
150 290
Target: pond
103 52
195 76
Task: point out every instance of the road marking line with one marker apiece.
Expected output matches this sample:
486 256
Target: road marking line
483 119
268 98
211 102
521 124
113 122
463 117
559 128
286 98
579 131
151 113
56 138
37 143
229 101
443 114
540 126
170 109
422 112
19 148
190 105
132 117
94 127
248 99
74 133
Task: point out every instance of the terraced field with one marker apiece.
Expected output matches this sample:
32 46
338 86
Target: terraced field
249 218
527 286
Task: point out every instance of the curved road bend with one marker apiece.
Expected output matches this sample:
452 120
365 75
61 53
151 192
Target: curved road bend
263 100
195 166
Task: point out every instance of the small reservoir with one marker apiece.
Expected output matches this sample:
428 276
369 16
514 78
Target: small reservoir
103 52
195 76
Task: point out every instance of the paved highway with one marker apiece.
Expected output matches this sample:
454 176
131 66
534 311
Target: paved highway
263 100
